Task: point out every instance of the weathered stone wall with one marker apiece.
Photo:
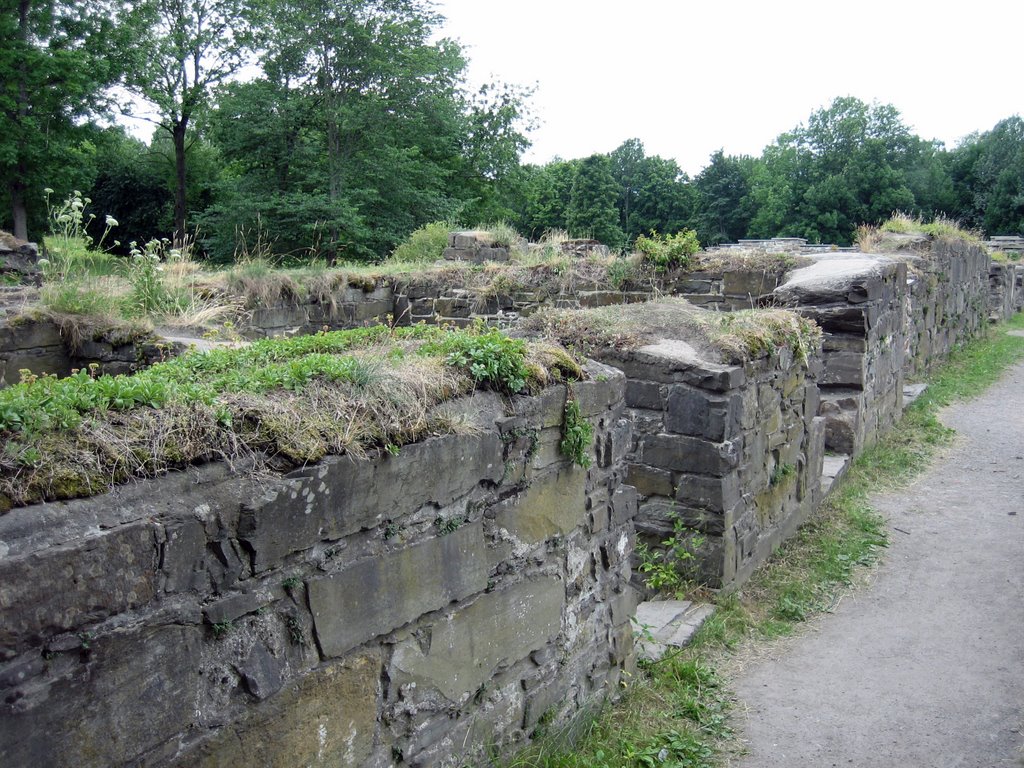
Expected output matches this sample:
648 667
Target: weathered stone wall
19 260
418 608
423 301
734 452
858 300
38 346
1005 290
949 300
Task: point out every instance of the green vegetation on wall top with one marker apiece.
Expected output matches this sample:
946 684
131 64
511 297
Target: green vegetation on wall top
290 401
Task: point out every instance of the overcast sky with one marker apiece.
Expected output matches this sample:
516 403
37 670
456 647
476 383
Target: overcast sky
688 78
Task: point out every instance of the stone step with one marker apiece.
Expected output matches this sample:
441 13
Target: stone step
832 470
911 392
665 624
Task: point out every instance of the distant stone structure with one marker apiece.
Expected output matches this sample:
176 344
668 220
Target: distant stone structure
19 260
474 246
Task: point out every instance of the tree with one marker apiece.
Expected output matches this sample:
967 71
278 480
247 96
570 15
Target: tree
846 167
626 160
664 197
183 49
547 189
723 199
385 98
131 185
591 211
988 177
55 62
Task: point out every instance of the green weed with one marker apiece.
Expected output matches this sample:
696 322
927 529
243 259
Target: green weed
577 435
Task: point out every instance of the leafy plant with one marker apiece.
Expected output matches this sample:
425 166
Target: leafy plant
781 472
425 244
70 246
577 435
490 357
667 567
665 252
446 525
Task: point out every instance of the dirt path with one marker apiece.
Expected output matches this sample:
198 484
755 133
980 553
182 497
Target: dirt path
924 668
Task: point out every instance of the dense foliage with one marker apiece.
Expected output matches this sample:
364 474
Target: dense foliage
301 129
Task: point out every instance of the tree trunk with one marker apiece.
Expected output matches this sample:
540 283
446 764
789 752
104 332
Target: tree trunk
16 187
334 187
178 137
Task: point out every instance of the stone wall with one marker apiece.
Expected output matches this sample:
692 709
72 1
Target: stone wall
948 302
858 300
37 345
408 301
1005 290
733 452
414 609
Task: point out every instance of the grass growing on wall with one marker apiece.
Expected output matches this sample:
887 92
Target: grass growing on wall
280 402
676 712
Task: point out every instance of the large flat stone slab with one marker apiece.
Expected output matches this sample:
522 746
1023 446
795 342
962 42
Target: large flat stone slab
380 594
666 624
467 647
833 468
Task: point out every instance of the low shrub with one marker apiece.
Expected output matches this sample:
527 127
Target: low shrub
665 252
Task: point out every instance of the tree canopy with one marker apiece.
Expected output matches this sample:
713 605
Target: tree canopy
333 130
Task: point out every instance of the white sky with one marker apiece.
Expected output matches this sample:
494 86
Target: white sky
687 78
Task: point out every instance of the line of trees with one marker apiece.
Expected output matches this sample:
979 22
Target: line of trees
330 128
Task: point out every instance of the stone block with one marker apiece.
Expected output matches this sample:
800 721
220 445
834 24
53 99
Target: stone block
30 335
694 412
448 306
126 695
656 519
649 481
372 309
42 360
554 503
753 283
183 560
624 504
623 606
844 369
544 410
681 453
842 320
339 496
644 394
603 389
329 718
382 593
468 646
590 299
713 493
672 361
63 588
273 318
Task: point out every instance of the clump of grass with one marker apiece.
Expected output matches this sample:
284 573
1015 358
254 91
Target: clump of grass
731 337
1004 257
747 260
940 228
289 401
867 238
500 234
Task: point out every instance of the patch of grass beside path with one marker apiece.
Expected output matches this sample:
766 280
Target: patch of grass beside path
675 713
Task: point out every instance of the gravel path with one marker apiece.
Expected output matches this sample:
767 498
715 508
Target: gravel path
924 668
